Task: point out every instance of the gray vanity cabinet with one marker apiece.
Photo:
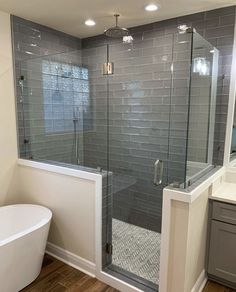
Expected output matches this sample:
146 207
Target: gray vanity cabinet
221 264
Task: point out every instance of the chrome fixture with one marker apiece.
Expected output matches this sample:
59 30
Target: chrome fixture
116 31
183 28
108 68
201 66
128 39
158 172
26 141
76 112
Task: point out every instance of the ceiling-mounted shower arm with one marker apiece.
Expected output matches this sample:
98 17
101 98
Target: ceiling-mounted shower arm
116 31
116 16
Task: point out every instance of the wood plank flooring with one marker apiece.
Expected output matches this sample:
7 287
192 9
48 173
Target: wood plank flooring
214 287
56 276
59 277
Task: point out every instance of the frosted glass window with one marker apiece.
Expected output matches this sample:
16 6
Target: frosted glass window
66 96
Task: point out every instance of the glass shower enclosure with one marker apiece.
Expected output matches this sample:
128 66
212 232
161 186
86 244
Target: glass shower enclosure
160 132
140 113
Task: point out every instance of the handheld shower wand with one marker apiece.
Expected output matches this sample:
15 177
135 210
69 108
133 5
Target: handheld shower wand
76 111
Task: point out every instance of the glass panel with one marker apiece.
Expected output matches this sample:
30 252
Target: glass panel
139 113
201 108
233 141
62 109
179 108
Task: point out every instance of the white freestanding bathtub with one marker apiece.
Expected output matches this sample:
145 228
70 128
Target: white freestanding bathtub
23 237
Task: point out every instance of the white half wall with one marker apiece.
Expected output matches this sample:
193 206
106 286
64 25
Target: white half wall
184 236
196 242
72 201
187 249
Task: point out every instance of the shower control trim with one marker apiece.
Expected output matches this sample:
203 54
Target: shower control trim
108 68
158 172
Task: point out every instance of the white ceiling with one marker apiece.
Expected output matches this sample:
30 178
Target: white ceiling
69 15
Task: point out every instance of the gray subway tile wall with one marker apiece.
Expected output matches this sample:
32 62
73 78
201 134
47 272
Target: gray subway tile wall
33 45
142 94
138 131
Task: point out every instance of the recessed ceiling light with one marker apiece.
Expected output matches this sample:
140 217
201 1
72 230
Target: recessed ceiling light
151 7
90 22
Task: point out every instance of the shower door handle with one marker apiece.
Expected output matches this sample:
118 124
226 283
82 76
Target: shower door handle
158 172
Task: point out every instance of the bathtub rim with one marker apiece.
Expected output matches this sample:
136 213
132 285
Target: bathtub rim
27 231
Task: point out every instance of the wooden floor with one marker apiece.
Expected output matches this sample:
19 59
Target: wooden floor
214 287
58 277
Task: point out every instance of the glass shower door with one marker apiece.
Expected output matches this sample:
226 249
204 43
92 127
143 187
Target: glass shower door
139 111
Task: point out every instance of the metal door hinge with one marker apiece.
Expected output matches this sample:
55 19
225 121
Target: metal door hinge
109 248
108 68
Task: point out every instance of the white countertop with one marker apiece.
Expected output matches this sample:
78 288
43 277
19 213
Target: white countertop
226 192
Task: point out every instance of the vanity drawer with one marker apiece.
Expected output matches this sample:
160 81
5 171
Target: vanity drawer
224 212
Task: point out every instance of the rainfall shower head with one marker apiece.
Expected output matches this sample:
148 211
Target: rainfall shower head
116 31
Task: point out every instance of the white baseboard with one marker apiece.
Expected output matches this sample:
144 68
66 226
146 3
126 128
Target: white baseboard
71 259
200 283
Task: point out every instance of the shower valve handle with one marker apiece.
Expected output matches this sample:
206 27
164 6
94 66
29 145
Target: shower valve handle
158 172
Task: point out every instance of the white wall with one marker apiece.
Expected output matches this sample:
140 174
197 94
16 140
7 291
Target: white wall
72 201
8 138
